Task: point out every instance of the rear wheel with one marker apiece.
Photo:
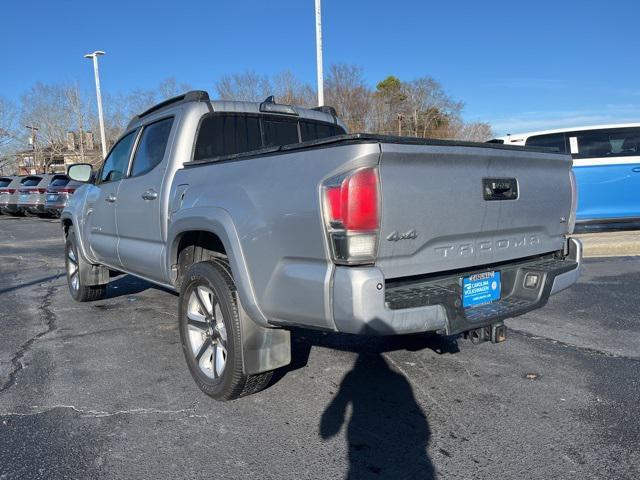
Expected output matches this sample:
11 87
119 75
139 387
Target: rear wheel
210 333
75 265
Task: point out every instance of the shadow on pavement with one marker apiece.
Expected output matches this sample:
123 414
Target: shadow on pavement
302 341
29 284
130 285
387 433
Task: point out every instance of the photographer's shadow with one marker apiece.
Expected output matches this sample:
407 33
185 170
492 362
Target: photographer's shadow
388 433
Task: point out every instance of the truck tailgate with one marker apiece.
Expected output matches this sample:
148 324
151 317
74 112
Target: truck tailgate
435 216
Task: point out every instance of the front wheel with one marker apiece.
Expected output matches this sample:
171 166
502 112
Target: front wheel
210 333
74 266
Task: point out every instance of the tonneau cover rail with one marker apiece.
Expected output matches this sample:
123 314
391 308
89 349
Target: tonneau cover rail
354 138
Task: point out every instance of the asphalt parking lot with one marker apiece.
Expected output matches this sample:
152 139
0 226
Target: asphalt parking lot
101 390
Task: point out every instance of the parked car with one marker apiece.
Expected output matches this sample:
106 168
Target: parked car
11 196
606 162
32 194
58 193
8 186
266 216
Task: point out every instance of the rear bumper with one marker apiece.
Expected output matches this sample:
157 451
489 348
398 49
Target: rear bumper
31 207
364 304
54 208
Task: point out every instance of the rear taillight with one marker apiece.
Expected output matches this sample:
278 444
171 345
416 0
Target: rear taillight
67 190
41 190
352 217
12 191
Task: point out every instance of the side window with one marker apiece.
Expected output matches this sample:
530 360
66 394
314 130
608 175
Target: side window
280 132
151 147
552 140
619 142
115 166
221 135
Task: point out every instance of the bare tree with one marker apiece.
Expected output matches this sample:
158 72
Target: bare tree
46 107
291 91
169 87
8 134
475 132
247 86
347 92
429 110
120 108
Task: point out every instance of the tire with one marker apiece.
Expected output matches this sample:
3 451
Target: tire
74 265
212 345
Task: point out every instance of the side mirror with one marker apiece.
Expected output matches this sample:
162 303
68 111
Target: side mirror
80 172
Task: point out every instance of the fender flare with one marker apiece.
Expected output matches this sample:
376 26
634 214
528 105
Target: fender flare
217 221
75 223
264 348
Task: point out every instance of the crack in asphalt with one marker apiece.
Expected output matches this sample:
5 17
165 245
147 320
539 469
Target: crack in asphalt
49 320
102 413
593 351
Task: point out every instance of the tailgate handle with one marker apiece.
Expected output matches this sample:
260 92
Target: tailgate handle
500 188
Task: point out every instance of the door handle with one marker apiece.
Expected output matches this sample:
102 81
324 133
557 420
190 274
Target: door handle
636 170
110 198
150 194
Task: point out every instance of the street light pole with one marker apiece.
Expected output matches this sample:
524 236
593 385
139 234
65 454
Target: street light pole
96 74
319 52
32 140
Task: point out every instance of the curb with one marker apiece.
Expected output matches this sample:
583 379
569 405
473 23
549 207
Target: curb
610 244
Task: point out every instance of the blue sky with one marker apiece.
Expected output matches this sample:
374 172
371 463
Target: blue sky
518 65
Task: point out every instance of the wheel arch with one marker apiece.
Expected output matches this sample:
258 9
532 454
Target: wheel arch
211 233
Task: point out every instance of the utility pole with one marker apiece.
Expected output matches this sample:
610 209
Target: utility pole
96 74
319 53
32 141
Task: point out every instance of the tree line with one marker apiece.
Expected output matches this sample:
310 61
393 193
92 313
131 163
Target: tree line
418 108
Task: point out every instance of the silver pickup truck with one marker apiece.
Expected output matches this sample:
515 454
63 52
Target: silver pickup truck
266 216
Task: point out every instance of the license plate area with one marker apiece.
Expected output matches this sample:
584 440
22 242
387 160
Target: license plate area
53 197
481 288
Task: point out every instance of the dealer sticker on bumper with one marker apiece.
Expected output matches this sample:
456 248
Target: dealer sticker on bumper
480 288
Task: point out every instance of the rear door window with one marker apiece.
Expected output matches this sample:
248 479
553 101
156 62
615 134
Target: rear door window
280 132
151 147
221 135
554 141
606 143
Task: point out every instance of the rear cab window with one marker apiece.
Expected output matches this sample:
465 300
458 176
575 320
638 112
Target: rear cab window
227 134
223 134
59 181
31 181
310 130
555 141
280 132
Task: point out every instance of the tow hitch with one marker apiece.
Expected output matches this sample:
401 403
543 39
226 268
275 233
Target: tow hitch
495 333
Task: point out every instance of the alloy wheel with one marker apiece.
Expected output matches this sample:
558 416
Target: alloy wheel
207 333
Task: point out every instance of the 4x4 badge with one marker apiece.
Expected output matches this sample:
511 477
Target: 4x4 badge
395 236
